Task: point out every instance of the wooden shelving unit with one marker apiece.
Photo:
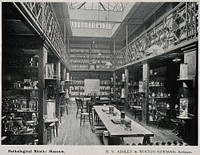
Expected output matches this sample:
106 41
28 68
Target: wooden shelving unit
89 56
133 96
78 87
159 96
20 101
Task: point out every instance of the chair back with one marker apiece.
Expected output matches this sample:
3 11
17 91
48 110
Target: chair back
89 105
79 103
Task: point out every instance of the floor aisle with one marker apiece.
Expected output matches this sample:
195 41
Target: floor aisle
71 133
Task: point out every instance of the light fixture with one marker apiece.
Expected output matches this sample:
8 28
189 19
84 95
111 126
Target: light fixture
176 60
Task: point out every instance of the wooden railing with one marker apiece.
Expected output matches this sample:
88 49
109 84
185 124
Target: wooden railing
175 27
44 14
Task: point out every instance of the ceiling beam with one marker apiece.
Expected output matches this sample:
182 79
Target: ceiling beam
103 21
102 6
87 32
81 5
96 15
135 21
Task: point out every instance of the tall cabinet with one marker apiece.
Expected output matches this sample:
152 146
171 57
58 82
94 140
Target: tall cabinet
159 96
30 81
20 97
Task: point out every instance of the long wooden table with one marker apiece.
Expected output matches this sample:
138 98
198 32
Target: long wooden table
119 130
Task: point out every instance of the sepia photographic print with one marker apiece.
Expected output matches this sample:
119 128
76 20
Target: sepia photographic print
109 77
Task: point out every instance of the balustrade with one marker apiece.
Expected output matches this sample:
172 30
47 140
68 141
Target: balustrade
177 26
45 16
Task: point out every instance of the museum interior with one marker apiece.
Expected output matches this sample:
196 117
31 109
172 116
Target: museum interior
99 73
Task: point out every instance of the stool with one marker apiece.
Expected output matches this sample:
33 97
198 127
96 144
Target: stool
36 141
50 132
66 105
178 126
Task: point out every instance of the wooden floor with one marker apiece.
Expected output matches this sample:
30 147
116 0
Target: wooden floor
71 133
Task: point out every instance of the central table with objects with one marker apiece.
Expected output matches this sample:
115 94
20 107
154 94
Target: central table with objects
117 129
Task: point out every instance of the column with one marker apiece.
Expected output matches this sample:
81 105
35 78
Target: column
42 107
114 86
114 51
126 84
68 45
146 92
64 74
58 68
126 55
126 34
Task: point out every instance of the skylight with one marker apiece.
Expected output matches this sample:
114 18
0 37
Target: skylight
104 6
96 19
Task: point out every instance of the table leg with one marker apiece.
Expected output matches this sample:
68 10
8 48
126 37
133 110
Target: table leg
56 129
105 137
146 140
93 118
135 113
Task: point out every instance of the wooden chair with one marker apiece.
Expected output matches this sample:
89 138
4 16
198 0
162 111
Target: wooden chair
66 105
163 118
82 111
78 106
89 105
176 123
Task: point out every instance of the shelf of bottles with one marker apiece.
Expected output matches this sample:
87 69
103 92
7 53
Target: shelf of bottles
104 87
77 84
120 86
18 117
20 102
79 58
111 89
133 96
84 57
78 88
159 97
